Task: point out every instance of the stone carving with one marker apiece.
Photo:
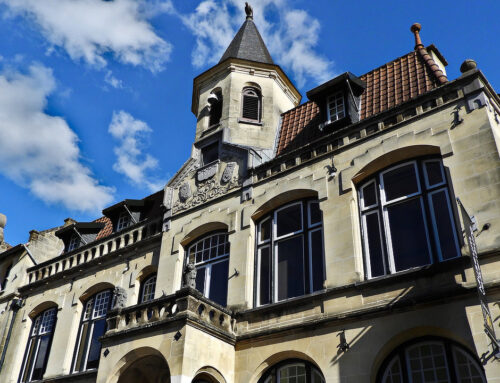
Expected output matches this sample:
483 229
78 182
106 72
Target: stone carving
167 200
119 297
228 172
206 191
190 275
184 192
207 172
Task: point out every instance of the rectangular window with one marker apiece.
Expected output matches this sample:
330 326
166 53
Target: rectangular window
336 109
210 153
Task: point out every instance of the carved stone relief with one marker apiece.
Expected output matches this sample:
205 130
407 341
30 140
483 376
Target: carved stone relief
207 172
228 172
184 192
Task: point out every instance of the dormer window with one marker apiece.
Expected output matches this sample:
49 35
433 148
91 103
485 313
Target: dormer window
215 101
74 242
210 153
336 107
123 221
251 109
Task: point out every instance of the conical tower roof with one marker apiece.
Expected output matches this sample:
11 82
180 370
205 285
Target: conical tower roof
248 45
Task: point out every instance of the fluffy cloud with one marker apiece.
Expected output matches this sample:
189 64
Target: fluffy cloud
90 29
39 151
131 135
291 38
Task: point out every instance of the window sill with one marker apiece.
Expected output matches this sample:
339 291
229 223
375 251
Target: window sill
412 273
250 122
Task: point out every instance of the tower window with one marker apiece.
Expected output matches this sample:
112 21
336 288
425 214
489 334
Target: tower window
210 153
251 105
215 101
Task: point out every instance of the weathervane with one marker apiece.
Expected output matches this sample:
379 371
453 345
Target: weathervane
248 11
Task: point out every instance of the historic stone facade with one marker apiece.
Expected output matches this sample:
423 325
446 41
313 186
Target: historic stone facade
319 242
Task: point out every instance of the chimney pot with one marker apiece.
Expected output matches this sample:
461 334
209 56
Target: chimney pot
415 28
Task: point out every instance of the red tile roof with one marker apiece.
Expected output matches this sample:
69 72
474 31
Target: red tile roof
107 229
386 87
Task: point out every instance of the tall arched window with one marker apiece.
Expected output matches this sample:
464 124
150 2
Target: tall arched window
290 255
148 287
38 348
215 101
293 371
92 327
251 104
407 217
431 360
210 255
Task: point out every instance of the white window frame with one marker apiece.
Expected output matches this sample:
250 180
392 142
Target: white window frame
124 221
336 96
443 182
367 247
420 344
291 234
74 242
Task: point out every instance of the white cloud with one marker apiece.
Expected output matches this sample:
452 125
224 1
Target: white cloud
90 29
39 151
291 39
112 80
131 135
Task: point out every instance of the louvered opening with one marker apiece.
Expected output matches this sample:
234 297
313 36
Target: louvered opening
251 108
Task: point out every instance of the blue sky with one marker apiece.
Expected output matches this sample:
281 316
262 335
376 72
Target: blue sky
95 95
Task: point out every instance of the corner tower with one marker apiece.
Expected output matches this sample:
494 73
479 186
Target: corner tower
239 101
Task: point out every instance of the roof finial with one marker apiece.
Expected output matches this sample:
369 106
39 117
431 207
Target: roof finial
415 28
249 11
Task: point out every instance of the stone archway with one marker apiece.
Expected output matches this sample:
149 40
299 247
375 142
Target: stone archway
148 369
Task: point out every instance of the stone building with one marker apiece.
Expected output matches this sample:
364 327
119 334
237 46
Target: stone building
313 242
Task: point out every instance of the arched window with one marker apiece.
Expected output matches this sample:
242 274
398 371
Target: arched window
210 255
293 371
251 105
92 327
215 101
148 287
407 218
431 360
38 348
290 255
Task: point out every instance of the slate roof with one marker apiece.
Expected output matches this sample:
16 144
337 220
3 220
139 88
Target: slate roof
387 86
248 45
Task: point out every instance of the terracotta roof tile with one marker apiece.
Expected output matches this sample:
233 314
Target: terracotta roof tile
391 84
107 229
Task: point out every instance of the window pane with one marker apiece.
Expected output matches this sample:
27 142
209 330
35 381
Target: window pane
218 282
467 369
427 363
29 359
318 273
373 242
443 225
210 153
264 276
101 304
316 216
289 220
408 235
290 268
41 358
82 347
95 345
393 372
434 173
148 289
369 193
400 182
200 279
265 230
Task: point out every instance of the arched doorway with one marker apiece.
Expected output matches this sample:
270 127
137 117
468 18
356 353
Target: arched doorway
148 369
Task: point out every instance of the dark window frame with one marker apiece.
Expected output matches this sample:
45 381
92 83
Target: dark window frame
30 360
306 231
251 93
85 345
424 191
208 264
271 374
449 348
